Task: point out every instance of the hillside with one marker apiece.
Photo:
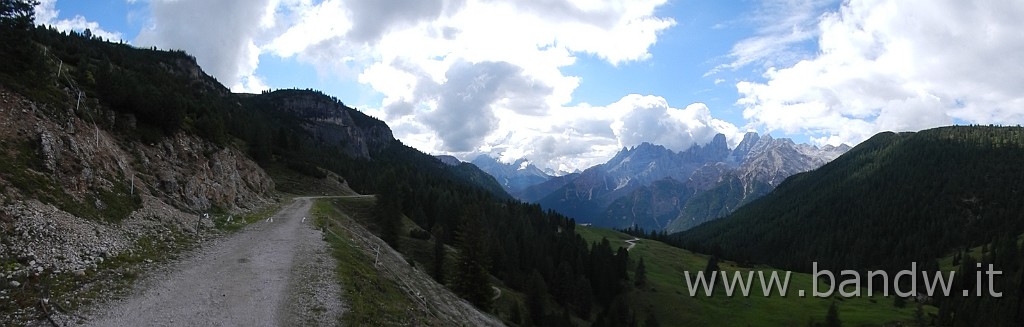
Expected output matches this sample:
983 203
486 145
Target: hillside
666 296
918 196
111 164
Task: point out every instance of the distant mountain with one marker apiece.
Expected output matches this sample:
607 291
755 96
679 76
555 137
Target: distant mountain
653 204
655 188
536 192
588 195
763 163
514 177
892 200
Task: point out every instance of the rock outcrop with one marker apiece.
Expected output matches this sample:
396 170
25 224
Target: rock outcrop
74 194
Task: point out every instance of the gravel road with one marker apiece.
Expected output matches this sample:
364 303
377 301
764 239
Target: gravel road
274 273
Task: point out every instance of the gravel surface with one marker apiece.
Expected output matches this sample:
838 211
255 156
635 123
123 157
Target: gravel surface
274 273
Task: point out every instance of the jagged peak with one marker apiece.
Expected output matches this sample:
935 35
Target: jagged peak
647 146
484 158
719 139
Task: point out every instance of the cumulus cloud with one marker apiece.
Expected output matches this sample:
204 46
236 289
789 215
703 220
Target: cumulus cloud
460 77
469 76
578 137
897 65
372 18
650 119
220 34
46 14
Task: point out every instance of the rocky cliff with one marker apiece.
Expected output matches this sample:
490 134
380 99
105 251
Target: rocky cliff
330 122
74 193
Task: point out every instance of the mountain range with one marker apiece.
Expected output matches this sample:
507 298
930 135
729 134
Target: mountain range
655 188
515 176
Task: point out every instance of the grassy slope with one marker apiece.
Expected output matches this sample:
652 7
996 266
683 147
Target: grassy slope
372 298
420 252
292 182
666 294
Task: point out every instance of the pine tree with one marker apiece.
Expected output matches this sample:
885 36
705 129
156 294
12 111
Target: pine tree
471 280
640 276
439 254
652 320
832 319
899 302
17 15
711 267
584 298
389 218
388 210
535 298
515 313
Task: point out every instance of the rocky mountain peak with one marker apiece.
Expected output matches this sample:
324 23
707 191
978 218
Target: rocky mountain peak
749 140
515 176
771 160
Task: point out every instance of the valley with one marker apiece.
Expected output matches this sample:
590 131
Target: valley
137 189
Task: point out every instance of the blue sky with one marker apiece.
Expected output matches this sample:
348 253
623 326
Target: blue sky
566 83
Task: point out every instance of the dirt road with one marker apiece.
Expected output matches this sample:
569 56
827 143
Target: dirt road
274 273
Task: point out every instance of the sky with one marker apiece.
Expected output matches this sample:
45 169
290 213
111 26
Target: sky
566 84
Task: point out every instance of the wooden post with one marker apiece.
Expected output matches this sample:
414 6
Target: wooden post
376 256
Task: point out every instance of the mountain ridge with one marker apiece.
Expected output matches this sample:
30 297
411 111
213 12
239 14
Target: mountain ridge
710 180
902 176
515 176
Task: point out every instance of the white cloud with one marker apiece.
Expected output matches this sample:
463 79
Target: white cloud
578 137
221 34
457 76
46 13
650 119
782 26
897 65
470 76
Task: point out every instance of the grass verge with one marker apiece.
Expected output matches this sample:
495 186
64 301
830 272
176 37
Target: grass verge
373 299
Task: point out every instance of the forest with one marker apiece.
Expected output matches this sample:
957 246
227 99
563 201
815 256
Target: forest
894 200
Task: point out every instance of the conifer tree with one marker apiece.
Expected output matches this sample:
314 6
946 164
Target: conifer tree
471 280
640 275
832 319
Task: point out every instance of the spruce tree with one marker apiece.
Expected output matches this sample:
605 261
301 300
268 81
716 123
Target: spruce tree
471 280
832 319
640 276
711 267
535 298
439 254
652 320
17 15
